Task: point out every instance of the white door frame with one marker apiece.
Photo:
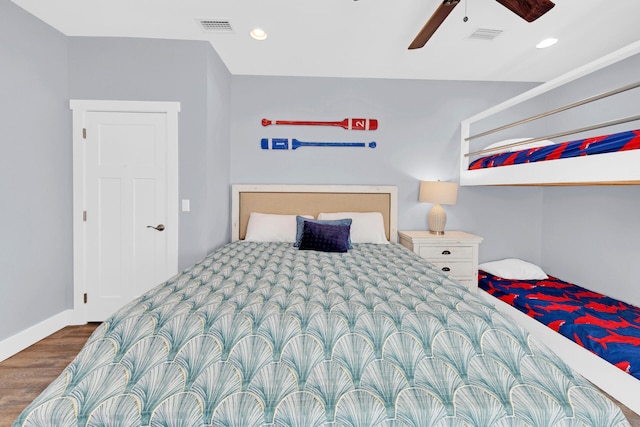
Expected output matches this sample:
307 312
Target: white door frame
80 108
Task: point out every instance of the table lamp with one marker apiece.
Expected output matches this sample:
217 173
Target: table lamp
438 193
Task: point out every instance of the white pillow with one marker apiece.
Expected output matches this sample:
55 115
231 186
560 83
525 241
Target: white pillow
366 227
543 143
272 227
513 268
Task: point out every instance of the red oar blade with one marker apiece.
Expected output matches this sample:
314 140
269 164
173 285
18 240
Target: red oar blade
360 124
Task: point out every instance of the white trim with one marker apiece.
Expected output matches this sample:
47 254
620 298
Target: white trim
236 189
614 381
18 342
91 105
80 109
602 168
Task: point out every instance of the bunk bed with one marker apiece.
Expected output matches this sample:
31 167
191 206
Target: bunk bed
603 325
261 333
615 376
578 156
500 137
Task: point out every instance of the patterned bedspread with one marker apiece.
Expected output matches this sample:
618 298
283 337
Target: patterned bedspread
265 334
603 325
622 141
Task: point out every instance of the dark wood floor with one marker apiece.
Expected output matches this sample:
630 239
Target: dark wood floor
25 375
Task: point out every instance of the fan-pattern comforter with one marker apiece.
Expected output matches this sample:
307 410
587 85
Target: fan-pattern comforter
622 141
265 334
603 325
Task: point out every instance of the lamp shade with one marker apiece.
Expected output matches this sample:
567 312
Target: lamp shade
438 192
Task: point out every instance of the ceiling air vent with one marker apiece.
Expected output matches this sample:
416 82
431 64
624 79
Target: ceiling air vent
485 34
216 25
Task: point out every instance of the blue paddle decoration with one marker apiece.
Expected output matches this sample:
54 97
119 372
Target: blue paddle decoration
283 144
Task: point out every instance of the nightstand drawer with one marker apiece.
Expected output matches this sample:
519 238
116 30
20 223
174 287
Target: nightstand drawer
455 269
455 253
445 252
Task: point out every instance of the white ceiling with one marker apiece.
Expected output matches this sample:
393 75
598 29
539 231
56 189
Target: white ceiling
365 38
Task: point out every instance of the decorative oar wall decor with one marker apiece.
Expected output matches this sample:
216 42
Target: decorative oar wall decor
283 144
348 124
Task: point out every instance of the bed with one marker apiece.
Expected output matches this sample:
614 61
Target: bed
263 333
536 301
598 164
605 326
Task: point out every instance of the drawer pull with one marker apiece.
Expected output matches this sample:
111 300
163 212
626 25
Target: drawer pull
445 252
446 269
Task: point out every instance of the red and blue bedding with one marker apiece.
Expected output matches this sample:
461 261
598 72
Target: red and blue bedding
603 325
622 141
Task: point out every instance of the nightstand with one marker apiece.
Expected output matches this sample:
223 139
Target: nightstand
455 252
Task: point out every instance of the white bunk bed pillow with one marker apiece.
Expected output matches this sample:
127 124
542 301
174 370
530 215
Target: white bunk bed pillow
366 227
264 227
514 268
543 143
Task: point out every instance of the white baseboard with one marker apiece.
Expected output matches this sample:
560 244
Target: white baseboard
18 342
620 385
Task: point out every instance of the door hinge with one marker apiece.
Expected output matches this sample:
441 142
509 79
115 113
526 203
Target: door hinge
85 298
84 215
84 133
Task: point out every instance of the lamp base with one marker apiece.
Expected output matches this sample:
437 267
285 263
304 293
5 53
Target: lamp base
437 219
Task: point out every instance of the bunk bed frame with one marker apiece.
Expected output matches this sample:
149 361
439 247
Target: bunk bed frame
618 168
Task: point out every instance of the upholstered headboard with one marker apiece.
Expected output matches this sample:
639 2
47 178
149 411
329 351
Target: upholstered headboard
311 200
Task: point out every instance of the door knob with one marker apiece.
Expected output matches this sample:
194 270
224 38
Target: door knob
159 227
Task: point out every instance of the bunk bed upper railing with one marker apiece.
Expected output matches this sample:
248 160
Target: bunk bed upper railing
601 125
486 177
557 110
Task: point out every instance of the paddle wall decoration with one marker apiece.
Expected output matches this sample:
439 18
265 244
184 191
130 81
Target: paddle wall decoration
348 124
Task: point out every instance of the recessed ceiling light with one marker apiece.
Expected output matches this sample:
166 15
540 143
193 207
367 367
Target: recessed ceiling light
546 43
258 34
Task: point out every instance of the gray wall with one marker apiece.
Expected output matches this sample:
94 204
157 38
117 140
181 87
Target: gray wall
217 220
36 255
191 73
41 70
590 237
418 138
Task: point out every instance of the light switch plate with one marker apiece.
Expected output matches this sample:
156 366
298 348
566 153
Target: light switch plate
186 205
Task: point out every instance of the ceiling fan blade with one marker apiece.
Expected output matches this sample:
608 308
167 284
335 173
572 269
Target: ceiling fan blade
433 23
529 10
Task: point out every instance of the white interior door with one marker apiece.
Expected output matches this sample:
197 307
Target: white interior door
129 217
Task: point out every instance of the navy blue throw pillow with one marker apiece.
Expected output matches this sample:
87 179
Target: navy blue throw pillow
300 220
325 237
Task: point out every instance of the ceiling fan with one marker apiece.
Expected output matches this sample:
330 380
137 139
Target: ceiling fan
529 10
